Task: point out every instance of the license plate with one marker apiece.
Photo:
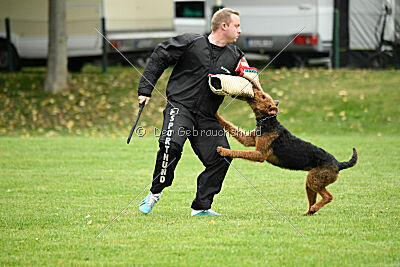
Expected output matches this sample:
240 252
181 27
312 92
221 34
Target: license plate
144 43
262 43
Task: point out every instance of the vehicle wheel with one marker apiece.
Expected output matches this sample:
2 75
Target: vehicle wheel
4 63
379 60
290 61
300 61
142 62
75 65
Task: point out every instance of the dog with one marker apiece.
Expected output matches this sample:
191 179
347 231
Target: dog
275 144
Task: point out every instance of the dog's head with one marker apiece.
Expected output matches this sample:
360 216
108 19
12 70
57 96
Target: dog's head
262 103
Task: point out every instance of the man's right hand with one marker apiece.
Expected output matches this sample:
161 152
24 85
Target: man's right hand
143 98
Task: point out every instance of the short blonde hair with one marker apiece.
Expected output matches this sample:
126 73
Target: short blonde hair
222 15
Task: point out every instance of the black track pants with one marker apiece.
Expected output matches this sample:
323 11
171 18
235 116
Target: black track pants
205 135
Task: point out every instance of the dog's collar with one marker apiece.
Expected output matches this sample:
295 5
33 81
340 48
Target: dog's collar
264 117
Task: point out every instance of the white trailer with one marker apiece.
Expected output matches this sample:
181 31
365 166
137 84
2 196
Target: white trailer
134 26
268 26
369 33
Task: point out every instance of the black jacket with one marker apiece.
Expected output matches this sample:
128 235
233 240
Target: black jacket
192 57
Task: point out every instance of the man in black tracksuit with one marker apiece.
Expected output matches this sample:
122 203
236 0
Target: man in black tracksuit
191 107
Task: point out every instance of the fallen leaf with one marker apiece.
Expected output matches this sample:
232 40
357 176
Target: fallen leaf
70 124
330 114
51 134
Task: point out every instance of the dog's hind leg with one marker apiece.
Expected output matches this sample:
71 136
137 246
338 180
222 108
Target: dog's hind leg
326 198
317 180
311 197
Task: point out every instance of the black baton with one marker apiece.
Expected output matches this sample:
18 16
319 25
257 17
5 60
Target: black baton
141 106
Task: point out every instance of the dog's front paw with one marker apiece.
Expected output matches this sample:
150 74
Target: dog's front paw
222 151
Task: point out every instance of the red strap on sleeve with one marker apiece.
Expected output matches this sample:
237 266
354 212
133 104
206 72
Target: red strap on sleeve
242 63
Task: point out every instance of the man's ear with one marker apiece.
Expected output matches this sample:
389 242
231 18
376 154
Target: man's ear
224 26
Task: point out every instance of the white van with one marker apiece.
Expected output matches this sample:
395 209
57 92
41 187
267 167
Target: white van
133 26
268 26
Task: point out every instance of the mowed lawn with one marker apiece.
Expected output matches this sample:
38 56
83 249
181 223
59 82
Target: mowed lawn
57 194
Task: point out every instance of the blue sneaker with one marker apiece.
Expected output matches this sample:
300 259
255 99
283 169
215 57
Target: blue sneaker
203 213
147 204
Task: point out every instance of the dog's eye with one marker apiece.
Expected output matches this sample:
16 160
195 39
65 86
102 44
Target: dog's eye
263 97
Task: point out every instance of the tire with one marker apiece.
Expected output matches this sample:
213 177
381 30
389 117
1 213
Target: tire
4 63
379 60
75 65
142 62
290 61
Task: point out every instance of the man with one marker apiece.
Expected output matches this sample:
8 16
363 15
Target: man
191 106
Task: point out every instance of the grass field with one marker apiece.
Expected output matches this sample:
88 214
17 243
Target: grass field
59 193
66 172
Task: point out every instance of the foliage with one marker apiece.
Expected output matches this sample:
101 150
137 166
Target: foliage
317 101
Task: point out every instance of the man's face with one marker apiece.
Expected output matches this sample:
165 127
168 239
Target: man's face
232 31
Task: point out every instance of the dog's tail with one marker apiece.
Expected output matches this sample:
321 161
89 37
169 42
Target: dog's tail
348 164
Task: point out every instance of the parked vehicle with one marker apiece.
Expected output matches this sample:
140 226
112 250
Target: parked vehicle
369 29
133 26
268 26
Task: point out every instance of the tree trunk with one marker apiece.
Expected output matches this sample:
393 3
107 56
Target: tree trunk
57 60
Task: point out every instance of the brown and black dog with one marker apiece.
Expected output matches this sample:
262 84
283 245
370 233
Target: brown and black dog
275 144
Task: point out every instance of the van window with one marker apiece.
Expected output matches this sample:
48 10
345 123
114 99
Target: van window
189 9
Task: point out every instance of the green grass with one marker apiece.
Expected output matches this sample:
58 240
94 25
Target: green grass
50 186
